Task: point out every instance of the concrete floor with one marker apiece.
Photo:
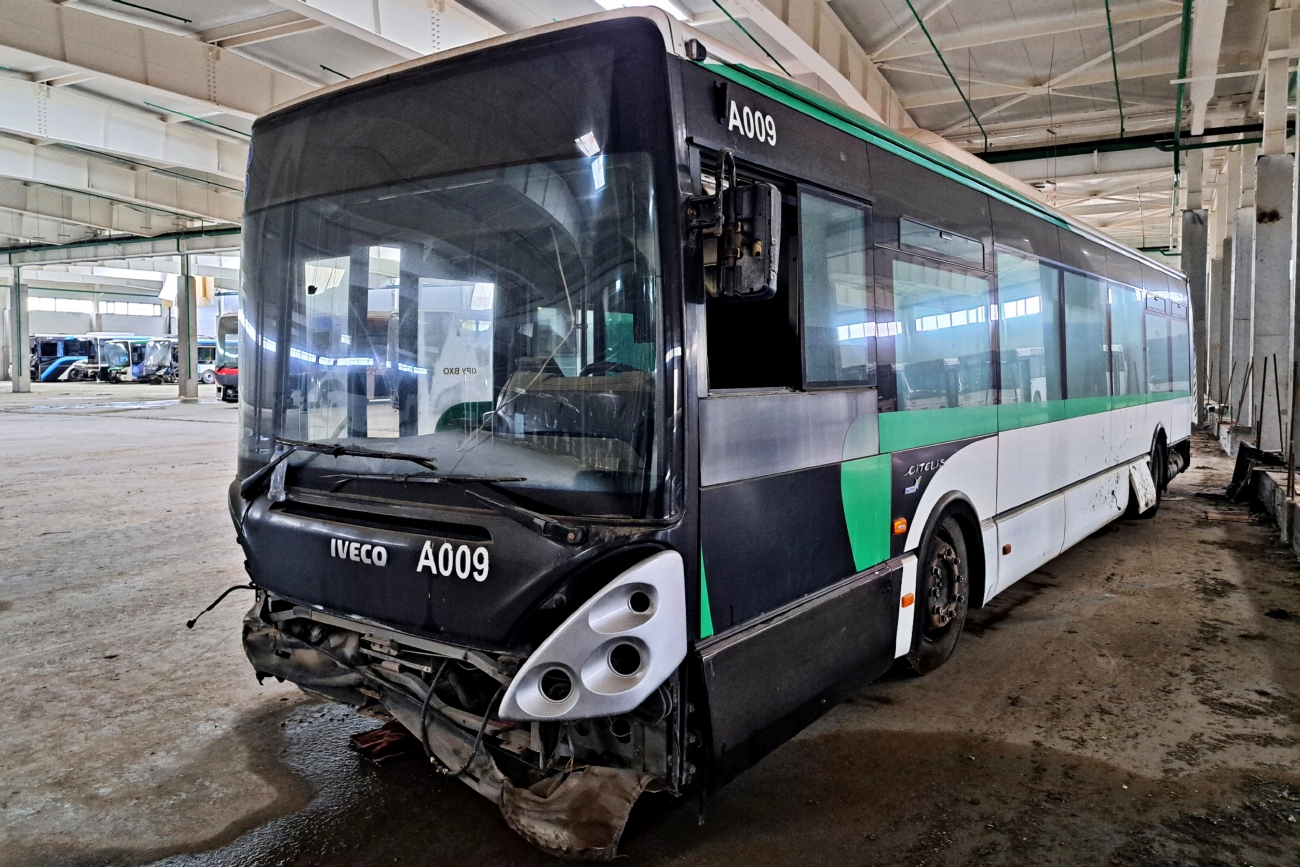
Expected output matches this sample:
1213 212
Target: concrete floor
1134 702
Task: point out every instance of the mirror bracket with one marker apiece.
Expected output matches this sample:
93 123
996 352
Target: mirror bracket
741 224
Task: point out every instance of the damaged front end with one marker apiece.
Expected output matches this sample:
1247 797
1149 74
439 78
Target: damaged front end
563 739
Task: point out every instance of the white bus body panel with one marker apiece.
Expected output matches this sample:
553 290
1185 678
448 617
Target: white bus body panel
1035 535
971 471
1039 460
1094 504
906 616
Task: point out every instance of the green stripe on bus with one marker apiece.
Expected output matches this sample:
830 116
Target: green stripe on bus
706 612
926 427
923 427
1016 415
864 488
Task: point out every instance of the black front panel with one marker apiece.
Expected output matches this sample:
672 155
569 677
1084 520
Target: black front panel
803 148
467 576
768 682
770 541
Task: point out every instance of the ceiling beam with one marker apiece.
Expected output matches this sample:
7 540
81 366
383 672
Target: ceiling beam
407 29
256 30
17 228
1097 163
88 173
1057 80
40 112
220 240
166 68
1092 76
812 32
93 212
911 27
1207 39
999 32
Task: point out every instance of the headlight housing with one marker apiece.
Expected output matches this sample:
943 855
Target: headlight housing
611 653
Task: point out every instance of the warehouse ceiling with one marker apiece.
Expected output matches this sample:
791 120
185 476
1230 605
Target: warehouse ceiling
123 121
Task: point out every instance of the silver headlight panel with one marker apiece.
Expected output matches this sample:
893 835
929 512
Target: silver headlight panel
611 653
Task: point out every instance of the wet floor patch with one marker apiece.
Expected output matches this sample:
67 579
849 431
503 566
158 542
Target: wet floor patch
880 797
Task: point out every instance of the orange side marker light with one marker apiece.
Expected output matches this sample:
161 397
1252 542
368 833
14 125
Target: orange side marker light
900 526
908 599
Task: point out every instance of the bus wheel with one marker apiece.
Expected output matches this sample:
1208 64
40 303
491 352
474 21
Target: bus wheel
942 597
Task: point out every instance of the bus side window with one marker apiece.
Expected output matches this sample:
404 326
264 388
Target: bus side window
1087 347
1127 357
943 354
839 329
754 344
1029 329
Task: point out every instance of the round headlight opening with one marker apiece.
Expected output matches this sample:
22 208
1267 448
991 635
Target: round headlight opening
555 685
625 660
639 602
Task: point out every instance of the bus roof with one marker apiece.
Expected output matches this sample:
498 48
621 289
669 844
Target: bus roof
777 86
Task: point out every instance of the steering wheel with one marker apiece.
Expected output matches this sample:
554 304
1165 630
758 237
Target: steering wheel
596 368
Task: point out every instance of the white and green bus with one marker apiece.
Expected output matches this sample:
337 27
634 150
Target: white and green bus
700 402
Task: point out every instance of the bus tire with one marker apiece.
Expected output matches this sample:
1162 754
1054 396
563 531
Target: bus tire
943 587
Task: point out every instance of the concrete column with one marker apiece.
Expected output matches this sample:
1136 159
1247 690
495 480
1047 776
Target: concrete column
19 353
1243 287
1231 373
1213 328
1274 302
187 333
5 339
1215 291
1195 225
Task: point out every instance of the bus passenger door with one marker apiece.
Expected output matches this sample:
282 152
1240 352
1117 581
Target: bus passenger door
793 614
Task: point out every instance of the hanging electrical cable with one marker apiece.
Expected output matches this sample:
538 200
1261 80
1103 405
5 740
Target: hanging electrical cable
1184 40
760 45
951 77
1114 68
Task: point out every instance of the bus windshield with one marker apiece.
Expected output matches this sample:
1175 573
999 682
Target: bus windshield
227 341
115 354
503 320
158 352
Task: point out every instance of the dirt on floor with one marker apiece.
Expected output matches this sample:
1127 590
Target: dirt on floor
1134 702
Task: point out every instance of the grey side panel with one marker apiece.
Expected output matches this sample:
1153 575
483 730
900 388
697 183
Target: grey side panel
744 436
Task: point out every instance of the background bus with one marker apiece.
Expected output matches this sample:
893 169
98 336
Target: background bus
225 371
53 358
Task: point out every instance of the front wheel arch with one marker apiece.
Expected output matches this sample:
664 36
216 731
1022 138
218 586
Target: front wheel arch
963 510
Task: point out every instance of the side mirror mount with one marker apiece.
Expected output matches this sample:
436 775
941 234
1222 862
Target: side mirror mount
740 227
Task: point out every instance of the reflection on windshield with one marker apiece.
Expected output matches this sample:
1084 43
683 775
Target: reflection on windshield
503 322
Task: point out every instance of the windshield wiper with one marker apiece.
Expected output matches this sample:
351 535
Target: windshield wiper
544 525
418 479
338 450
249 487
